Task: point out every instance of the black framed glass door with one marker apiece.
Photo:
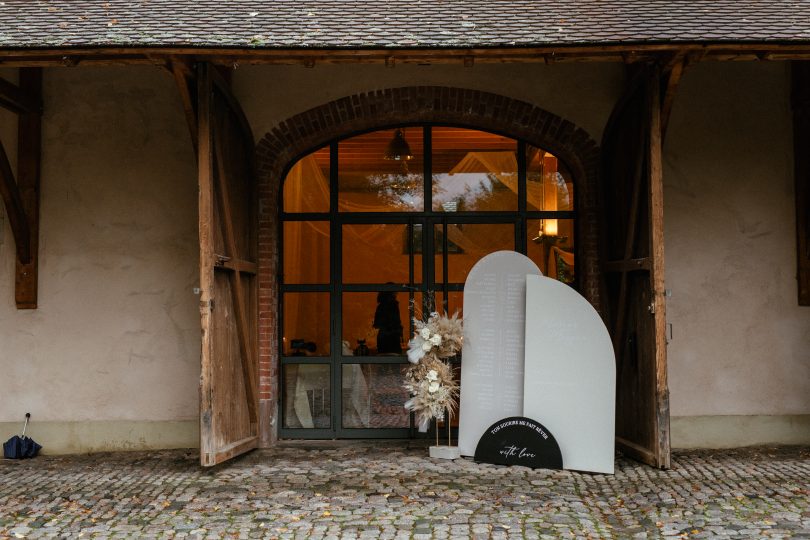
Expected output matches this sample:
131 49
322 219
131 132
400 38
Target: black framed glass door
369 242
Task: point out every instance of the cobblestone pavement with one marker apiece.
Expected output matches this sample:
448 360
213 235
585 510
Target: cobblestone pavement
394 491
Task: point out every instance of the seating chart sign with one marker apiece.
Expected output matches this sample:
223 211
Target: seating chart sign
492 354
570 376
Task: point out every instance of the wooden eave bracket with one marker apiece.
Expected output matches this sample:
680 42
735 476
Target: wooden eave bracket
21 196
672 72
184 76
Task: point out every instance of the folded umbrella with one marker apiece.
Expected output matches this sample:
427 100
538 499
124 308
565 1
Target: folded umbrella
20 446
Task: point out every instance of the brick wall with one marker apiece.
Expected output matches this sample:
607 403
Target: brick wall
312 129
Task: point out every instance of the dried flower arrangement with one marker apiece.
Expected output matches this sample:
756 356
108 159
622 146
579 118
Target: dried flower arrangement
430 379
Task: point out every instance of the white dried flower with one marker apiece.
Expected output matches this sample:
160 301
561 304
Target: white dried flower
425 333
433 387
427 345
432 375
436 339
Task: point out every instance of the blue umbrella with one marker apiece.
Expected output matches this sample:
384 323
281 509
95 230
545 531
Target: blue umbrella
20 446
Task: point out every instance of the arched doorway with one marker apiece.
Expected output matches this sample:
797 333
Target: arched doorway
383 226
420 110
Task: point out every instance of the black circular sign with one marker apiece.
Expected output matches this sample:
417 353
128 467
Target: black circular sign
518 440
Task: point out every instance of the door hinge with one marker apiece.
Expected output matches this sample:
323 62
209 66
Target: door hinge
651 307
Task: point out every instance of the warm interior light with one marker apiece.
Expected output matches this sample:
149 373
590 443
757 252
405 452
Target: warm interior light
550 227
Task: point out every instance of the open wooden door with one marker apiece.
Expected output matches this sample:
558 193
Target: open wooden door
228 248
633 252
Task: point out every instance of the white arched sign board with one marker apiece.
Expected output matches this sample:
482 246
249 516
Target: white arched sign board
570 374
492 354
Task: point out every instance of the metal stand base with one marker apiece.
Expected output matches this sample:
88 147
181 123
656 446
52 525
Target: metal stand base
445 452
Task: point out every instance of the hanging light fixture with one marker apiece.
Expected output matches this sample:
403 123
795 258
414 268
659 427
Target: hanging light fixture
398 148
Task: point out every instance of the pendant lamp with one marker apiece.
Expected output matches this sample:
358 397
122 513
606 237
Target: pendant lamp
398 148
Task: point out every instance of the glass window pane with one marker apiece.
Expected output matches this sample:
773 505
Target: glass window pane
549 185
467 243
307 396
306 187
375 323
306 324
378 253
373 396
306 252
551 247
473 171
370 180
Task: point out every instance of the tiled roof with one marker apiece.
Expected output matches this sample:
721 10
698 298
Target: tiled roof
395 24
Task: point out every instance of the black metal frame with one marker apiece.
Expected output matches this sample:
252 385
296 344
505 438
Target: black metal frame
429 219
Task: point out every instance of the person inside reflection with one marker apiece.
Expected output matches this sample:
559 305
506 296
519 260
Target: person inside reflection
388 324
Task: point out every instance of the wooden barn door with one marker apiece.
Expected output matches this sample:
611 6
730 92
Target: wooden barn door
228 302
634 269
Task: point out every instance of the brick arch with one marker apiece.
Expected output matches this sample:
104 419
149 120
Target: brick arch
312 129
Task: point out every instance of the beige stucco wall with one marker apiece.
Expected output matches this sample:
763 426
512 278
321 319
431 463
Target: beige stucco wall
741 343
110 359
115 337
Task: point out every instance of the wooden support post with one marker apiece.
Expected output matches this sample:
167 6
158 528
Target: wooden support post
205 167
658 305
801 158
29 152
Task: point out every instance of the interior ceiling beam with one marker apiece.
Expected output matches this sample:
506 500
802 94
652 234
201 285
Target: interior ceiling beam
233 57
13 98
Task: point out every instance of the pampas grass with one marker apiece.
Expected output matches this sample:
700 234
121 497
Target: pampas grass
430 380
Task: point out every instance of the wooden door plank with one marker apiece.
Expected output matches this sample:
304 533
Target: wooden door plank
206 232
230 451
224 88
800 102
628 265
635 269
228 310
635 451
656 213
236 265
630 241
29 152
245 342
